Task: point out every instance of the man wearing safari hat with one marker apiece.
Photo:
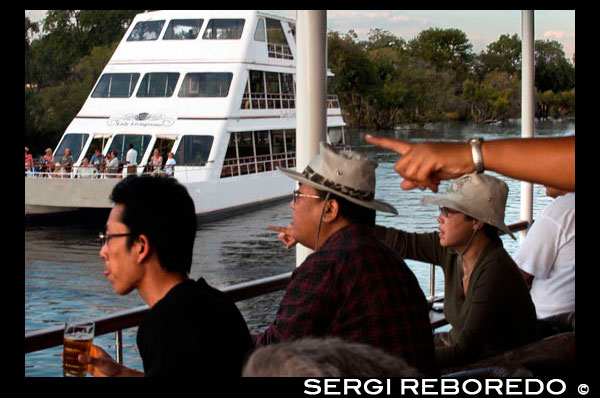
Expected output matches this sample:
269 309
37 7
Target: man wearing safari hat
486 299
353 286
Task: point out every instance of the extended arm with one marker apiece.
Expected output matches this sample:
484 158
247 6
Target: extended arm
547 161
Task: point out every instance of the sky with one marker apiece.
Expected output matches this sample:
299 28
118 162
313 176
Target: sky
481 27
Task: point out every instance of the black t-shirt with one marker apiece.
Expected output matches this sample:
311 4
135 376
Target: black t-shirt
195 330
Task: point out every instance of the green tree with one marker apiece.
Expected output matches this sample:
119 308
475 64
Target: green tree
355 80
503 55
380 38
444 49
104 27
497 97
552 69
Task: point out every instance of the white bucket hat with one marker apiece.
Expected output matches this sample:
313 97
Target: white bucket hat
347 174
480 196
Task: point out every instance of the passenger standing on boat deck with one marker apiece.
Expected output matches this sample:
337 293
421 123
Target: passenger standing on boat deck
192 329
170 165
86 170
156 162
547 256
66 162
112 167
131 159
97 161
486 300
353 286
28 160
48 161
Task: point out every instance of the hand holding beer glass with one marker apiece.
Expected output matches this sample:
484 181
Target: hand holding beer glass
78 337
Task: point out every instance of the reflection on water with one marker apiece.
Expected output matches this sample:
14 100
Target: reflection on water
64 273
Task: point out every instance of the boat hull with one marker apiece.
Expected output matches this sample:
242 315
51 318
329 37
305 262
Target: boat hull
211 197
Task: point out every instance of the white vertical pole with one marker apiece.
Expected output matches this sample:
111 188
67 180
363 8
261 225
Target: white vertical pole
311 91
527 105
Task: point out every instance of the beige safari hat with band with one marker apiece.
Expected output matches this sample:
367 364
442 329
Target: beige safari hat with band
347 174
480 196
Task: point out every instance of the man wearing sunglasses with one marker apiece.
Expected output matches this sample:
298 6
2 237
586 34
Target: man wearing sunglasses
353 286
148 245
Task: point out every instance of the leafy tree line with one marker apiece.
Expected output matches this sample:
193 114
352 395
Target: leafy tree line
64 56
385 81
382 82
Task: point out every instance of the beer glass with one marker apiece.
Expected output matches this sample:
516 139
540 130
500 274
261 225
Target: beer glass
77 339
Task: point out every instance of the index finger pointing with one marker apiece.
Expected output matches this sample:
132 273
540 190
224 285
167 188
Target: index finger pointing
400 147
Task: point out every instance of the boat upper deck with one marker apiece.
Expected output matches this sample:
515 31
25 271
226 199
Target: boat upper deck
177 36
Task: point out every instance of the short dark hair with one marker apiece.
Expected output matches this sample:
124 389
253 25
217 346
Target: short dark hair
491 232
163 210
352 212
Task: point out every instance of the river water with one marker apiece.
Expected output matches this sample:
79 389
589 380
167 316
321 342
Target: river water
64 273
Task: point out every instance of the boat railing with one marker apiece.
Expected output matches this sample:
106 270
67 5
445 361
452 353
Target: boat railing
118 321
268 101
279 51
279 101
257 164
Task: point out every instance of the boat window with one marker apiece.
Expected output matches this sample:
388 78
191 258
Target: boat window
158 84
116 85
277 43
257 90
273 97
120 143
183 29
146 30
259 33
224 29
75 143
193 150
268 90
251 152
287 90
207 84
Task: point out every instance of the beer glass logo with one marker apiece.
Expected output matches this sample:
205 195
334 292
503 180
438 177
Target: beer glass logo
77 339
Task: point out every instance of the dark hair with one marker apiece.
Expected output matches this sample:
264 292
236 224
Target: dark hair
162 209
491 232
352 212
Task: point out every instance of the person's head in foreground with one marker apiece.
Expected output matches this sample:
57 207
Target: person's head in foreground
150 231
326 357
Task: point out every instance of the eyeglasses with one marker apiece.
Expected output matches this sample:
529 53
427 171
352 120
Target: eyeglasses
446 211
297 194
105 237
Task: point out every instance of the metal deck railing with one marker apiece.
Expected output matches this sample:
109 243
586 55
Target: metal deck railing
117 321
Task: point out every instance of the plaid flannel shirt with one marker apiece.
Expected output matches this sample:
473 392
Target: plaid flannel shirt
357 288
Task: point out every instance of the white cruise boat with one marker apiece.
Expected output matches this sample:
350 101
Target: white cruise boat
215 88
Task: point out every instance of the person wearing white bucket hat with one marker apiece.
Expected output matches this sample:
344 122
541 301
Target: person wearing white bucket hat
353 286
486 300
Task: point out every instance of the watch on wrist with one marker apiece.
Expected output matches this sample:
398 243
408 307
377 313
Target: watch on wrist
475 144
